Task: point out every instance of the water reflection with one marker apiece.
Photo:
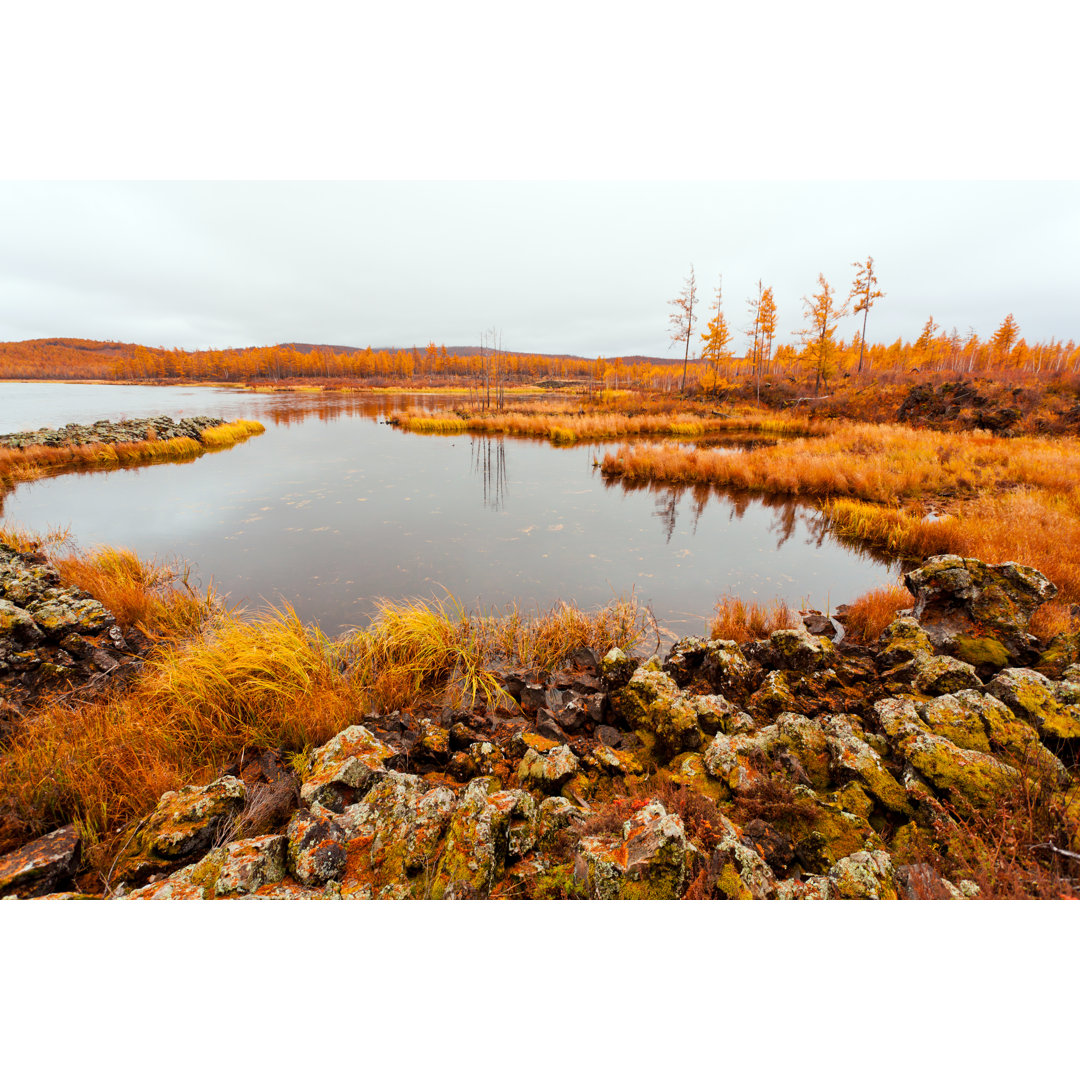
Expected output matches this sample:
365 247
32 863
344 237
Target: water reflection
789 515
330 509
489 463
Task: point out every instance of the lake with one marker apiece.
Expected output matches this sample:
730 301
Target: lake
332 508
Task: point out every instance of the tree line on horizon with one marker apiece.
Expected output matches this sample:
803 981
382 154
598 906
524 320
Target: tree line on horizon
819 358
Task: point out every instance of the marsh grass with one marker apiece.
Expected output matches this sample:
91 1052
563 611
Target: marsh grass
267 681
155 598
738 620
434 651
610 419
869 614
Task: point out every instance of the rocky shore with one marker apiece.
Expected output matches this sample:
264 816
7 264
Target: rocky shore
150 429
53 637
793 767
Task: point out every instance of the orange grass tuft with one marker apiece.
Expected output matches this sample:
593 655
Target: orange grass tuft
152 597
599 422
737 620
868 616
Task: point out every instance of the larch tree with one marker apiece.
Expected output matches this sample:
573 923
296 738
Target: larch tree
718 338
864 294
924 344
822 315
761 331
753 332
682 319
767 318
1004 338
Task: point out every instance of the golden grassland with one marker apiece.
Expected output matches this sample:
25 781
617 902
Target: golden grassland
18 465
606 420
909 492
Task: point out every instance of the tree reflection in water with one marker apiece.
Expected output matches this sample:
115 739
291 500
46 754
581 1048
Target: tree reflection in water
489 463
788 513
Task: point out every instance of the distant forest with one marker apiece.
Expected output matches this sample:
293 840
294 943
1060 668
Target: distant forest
1006 351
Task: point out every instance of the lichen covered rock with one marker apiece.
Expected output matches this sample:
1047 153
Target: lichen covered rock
935 675
799 650
864 875
41 866
344 768
738 871
479 839
1032 697
549 769
237 869
184 824
316 846
394 834
651 862
979 779
852 756
966 598
901 641
651 701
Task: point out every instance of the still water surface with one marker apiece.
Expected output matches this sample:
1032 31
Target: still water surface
332 508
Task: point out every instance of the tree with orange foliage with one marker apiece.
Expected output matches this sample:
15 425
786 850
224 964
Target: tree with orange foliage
717 339
863 288
822 315
682 319
1004 338
762 328
924 344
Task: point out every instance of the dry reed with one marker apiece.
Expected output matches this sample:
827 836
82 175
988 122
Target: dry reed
737 620
594 423
867 616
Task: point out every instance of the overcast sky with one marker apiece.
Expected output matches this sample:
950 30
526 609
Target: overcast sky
582 267
554 149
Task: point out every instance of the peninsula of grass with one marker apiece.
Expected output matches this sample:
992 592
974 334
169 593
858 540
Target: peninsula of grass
24 463
909 492
593 421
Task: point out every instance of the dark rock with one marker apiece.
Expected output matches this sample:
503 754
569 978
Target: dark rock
573 715
587 684
920 881
513 685
463 736
587 658
609 736
461 767
547 724
535 696
772 844
596 708
820 625
42 866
